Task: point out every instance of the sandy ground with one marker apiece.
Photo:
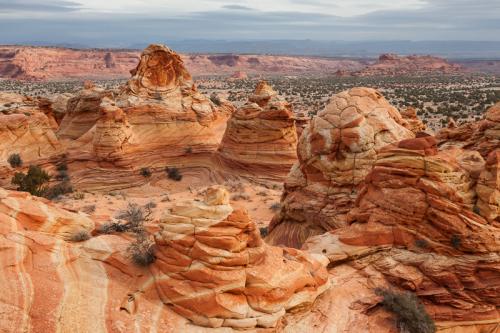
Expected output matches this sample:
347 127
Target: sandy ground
260 200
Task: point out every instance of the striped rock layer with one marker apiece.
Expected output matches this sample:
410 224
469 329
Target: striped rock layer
260 137
336 152
212 270
421 223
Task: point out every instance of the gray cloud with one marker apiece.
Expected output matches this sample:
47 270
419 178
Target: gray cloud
436 20
37 6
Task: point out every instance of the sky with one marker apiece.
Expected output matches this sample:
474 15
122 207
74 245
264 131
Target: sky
125 22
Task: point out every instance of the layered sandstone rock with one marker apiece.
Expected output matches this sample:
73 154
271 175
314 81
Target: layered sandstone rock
82 112
336 151
416 225
414 123
488 189
483 136
214 268
26 128
261 138
393 64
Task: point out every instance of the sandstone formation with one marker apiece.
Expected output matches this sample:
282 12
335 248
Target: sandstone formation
260 137
213 270
416 224
336 151
51 63
393 65
27 128
483 136
414 123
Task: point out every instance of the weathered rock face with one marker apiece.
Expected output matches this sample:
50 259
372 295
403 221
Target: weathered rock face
393 64
416 224
261 138
483 136
212 270
26 128
488 189
82 112
335 153
414 123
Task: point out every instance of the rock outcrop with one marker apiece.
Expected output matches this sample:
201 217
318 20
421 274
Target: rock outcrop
212 269
414 123
261 138
483 136
393 64
417 225
26 128
336 151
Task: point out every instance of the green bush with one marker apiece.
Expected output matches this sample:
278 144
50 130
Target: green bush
411 315
15 160
57 190
33 182
142 251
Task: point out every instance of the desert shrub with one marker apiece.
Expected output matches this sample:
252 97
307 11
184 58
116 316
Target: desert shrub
80 236
15 160
62 176
150 205
476 210
174 174
33 182
262 193
58 190
142 251
422 243
62 167
455 241
275 207
189 150
264 231
79 196
410 313
240 196
146 172
134 217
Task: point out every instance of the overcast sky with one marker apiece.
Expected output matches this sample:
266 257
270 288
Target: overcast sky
142 21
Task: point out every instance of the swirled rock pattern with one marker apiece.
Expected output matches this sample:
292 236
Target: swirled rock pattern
416 223
336 151
26 128
261 138
214 268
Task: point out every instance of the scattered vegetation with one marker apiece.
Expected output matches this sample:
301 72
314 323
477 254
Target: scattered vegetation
89 209
15 160
240 196
142 250
173 173
264 231
476 210
146 172
422 243
455 241
80 236
59 189
33 182
410 313
79 196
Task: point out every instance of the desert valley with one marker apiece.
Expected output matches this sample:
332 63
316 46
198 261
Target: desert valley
149 191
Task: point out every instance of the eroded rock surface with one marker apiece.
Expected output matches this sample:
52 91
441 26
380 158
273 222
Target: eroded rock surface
416 224
336 152
261 138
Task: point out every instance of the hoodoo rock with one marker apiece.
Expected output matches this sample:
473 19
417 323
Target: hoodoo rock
336 151
214 268
261 138
417 225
